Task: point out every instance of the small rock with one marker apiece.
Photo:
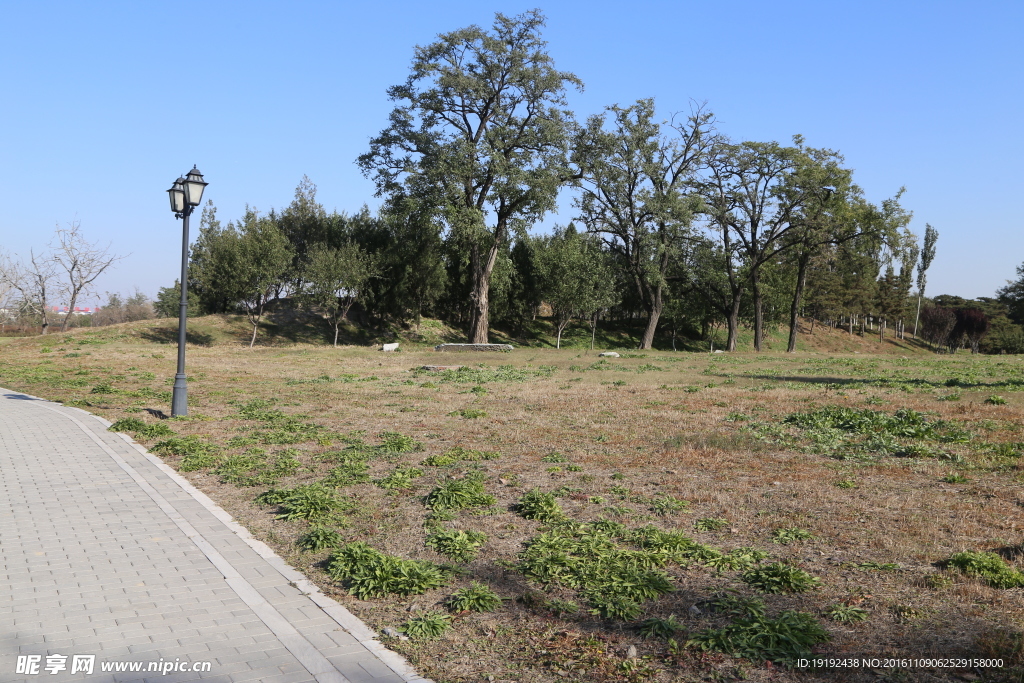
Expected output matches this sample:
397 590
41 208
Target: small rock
503 482
390 632
733 530
608 354
776 483
719 351
413 607
389 347
694 611
631 652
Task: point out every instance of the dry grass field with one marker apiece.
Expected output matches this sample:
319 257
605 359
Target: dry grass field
657 517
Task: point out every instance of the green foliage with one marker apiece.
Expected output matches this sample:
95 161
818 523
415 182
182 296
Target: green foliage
560 607
778 577
540 506
710 524
195 453
319 538
369 573
312 502
995 400
734 605
458 454
790 535
664 505
847 614
845 484
103 389
783 640
334 277
458 494
468 413
127 424
427 626
352 470
400 480
990 567
459 546
393 442
666 628
554 456
474 598
954 478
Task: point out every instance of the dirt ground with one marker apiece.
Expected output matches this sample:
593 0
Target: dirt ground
874 516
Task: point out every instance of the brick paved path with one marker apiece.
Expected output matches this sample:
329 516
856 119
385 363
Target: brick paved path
106 551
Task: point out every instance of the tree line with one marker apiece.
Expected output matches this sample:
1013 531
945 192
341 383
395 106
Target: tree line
675 224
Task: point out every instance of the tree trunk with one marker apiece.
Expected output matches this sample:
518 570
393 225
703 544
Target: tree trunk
479 321
801 281
653 314
755 285
593 330
734 324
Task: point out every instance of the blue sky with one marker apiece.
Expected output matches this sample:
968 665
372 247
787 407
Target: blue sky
106 103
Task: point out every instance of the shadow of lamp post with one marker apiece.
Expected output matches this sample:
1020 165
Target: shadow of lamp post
185 194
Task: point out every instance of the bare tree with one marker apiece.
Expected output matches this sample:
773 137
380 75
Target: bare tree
79 263
32 282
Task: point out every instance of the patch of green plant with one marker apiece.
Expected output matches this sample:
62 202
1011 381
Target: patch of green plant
483 374
155 431
427 626
195 453
954 396
458 546
103 388
476 597
401 479
990 567
617 607
791 535
554 456
738 558
541 506
783 640
236 469
657 627
664 505
313 502
845 484
954 478
736 417
454 456
847 614
468 413
779 577
349 472
127 425
479 390
369 573
460 493
995 400
319 538
260 410
732 604
710 524
938 581
394 442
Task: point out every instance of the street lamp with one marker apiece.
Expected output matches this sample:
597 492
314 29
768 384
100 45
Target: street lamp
185 194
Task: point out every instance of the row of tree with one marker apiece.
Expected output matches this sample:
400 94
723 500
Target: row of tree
675 223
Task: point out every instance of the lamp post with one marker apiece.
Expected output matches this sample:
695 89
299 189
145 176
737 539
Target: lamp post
186 194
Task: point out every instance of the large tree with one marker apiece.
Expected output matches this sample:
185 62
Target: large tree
79 263
263 267
931 236
333 278
637 193
480 132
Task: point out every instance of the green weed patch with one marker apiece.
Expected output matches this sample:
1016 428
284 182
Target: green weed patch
369 573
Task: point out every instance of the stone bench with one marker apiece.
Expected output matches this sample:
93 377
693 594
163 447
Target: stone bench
473 347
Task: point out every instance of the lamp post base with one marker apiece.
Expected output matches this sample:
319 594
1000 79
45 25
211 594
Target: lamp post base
179 397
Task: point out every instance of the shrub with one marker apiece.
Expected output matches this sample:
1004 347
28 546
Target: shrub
847 614
319 538
474 598
661 628
995 571
399 480
369 573
311 502
791 534
459 546
427 625
458 454
783 640
778 577
458 494
540 506
127 424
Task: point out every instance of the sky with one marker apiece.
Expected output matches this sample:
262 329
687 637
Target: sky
105 103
